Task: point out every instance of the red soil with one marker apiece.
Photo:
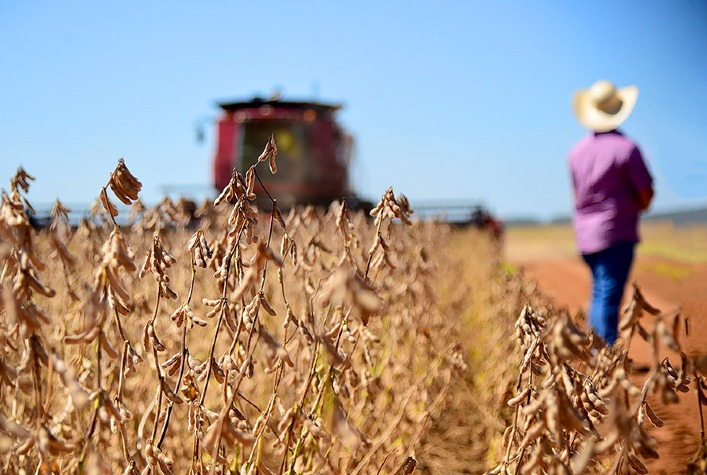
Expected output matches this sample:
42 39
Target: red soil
667 285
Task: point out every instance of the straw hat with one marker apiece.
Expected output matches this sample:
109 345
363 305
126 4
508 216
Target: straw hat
603 107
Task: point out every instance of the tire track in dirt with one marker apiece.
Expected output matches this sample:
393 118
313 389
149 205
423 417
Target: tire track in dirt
568 282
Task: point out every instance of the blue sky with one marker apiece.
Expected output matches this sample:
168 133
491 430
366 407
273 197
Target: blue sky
461 100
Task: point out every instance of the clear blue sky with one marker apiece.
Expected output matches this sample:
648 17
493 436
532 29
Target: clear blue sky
447 100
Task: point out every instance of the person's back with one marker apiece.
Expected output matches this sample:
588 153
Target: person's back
607 176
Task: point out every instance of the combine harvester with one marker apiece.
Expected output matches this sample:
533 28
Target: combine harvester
313 160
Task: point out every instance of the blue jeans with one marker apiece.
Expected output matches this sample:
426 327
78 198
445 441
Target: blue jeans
610 269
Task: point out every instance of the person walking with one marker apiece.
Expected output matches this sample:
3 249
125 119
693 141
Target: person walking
612 186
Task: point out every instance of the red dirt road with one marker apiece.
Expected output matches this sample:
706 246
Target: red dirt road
666 284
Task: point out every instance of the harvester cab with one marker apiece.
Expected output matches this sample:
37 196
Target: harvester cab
314 151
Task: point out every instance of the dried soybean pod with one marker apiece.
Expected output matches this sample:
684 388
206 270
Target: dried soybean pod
107 205
514 401
407 467
636 463
655 420
266 305
169 393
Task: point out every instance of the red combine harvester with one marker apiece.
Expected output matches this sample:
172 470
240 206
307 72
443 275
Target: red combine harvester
314 151
313 158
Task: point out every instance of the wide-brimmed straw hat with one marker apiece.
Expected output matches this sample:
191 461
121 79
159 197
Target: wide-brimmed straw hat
603 107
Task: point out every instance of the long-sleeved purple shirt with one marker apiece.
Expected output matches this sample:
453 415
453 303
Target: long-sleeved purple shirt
608 172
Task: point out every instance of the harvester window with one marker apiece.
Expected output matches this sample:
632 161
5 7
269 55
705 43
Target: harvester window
290 139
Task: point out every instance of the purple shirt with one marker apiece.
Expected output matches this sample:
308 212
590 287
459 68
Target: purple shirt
608 172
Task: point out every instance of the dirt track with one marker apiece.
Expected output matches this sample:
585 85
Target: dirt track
667 285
